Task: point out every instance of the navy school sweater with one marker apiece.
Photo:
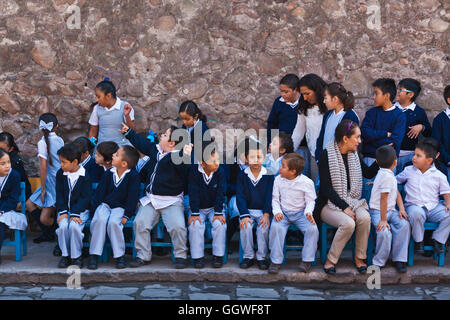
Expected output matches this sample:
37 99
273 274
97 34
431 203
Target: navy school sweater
375 126
204 194
94 170
17 164
73 200
124 195
282 117
349 115
167 178
10 193
250 196
441 132
418 116
231 172
146 170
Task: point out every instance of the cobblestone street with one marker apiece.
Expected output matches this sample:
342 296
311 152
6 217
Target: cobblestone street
225 291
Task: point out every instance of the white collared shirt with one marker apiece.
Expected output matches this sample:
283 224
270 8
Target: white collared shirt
254 179
292 105
206 178
141 163
3 180
42 145
411 107
423 189
447 111
93 120
384 182
73 176
391 108
293 195
192 128
116 178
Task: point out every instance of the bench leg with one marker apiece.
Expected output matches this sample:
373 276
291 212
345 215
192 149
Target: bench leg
24 242
18 245
323 244
411 253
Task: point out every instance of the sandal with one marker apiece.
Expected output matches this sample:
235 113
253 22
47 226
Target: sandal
331 270
362 269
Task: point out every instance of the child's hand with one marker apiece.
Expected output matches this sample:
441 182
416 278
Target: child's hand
221 218
187 149
350 213
403 214
264 222
279 217
382 225
124 220
244 222
76 219
124 129
62 217
369 183
389 134
43 193
127 110
415 130
310 217
192 220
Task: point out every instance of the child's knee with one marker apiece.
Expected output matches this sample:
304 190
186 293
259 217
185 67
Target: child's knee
74 228
313 231
384 235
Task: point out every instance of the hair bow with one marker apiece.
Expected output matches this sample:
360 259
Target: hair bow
45 126
93 140
151 136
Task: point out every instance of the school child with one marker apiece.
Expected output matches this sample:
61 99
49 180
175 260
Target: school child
253 198
73 199
104 155
340 103
163 195
441 132
283 115
293 201
108 114
311 109
383 124
45 194
114 204
9 198
207 186
424 183
392 226
281 144
416 119
144 166
86 147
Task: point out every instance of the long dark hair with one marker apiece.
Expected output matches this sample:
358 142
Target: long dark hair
317 84
346 97
191 108
8 138
47 118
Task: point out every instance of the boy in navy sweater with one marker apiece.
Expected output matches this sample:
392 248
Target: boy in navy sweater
254 201
163 195
283 115
73 199
416 120
441 132
114 203
207 187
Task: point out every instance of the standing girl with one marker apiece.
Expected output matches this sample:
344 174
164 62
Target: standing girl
340 104
9 198
108 114
309 121
45 195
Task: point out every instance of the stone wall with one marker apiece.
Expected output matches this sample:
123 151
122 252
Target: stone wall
227 55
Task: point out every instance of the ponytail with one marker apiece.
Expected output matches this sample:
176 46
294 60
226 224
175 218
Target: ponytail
8 138
47 124
346 97
191 108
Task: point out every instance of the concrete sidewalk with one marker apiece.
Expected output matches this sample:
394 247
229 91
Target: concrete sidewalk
40 267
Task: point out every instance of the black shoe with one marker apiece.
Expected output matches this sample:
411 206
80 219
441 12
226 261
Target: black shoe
262 264
246 263
362 269
92 263
57 251
305 267
180 263
274 268
64 262
217 262
419 247
44 238
138 262
199 263
330 270
437 247
121 262
400 266
77 262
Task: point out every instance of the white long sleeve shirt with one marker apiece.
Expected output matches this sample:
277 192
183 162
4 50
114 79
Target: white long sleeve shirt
310 126
293 195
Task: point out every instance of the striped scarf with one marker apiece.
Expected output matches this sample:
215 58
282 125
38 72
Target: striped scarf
339 177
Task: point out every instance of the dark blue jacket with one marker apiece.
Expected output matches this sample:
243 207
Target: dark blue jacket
257 197
146 170
94 170
441 132
125 195
17 164
375 126
74 200
10 194
282 117
418 116
203 194
349 115
167 178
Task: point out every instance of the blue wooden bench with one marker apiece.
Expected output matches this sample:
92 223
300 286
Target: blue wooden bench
20 237
441 257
